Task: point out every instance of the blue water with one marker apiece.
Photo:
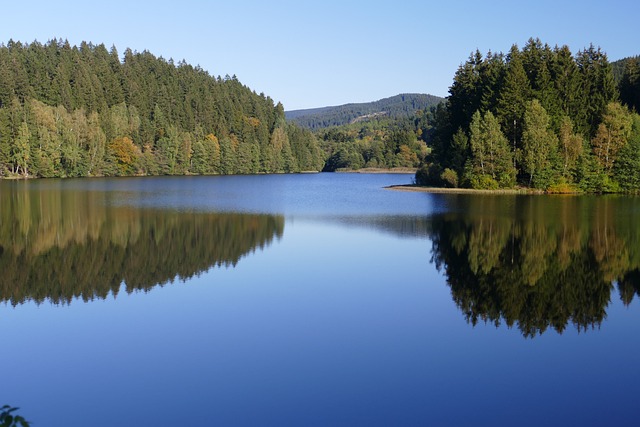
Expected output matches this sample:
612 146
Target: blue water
343 320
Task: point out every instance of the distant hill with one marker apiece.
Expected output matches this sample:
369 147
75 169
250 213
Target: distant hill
403 105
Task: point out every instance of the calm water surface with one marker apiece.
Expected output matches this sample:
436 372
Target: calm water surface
315 300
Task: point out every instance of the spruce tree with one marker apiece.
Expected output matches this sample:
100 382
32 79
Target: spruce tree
513 98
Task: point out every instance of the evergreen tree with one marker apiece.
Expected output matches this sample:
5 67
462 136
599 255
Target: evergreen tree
564 73
596 89
630 84
465 96
626 169
513 97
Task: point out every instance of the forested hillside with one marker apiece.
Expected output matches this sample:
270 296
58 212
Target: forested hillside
378 142
539 117
82 111
399 106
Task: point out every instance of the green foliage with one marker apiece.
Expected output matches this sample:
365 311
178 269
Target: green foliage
590 176
449 178
378 143
9 419
537 117
563 188
483 182
491 161
625 170
571 147
539 146
612 135
78 104
514 93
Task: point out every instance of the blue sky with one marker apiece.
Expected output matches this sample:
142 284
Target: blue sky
319 53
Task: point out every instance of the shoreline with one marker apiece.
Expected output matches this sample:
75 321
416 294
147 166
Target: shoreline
378 170
421 189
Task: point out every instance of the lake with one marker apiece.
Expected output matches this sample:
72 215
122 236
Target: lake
315 300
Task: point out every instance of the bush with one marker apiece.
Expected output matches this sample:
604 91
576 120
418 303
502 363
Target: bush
563 188
507 179
449 178
484 182
609 185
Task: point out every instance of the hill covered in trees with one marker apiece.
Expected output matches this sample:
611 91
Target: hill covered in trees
377 142
539 117
70 111
399 106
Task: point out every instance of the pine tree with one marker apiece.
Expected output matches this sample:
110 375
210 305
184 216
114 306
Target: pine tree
597 88
626 169
513 97
564 73
630 84
465 95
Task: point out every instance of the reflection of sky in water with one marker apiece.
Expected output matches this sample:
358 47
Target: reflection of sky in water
310 194
336 323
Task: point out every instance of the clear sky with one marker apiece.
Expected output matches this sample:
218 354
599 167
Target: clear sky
309 54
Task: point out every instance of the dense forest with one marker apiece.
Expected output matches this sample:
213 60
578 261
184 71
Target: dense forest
377 142
70 111
538 117
389 133
396 107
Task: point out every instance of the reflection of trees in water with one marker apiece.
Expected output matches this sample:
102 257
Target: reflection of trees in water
539 262
61 245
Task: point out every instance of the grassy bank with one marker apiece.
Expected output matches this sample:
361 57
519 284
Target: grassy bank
378 170
413 187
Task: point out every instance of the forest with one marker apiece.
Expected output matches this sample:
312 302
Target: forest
75 111
378 142
540 118
388 133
